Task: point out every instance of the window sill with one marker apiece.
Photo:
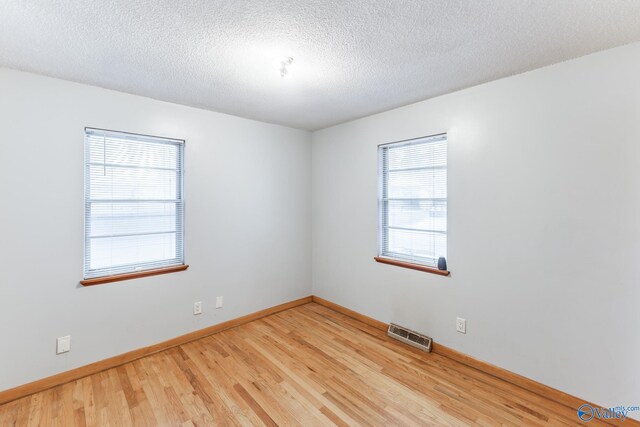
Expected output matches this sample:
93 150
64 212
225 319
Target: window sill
136 275
412 266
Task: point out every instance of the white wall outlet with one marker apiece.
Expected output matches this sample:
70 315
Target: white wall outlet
461 325
63 344
219 302
197 307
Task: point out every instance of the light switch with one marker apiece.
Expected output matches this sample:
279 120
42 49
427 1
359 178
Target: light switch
63 344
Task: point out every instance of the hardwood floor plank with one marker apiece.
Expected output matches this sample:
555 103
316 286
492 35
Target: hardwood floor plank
221 383
296 374
307 366
255 406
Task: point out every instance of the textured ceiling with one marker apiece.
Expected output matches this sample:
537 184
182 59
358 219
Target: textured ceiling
352 58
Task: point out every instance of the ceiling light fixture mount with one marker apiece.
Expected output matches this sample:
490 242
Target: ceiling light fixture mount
282 64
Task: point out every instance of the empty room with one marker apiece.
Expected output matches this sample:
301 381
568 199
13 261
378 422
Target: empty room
320 212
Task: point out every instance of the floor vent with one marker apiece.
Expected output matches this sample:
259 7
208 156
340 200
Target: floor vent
410 337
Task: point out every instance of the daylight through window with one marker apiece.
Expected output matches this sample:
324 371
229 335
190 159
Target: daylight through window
413 200
134 205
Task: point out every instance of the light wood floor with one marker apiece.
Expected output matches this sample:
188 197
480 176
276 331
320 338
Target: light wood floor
305 366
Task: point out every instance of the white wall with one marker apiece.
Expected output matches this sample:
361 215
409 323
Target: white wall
247 225
544 224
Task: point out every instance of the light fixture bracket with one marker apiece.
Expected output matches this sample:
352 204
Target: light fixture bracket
283 65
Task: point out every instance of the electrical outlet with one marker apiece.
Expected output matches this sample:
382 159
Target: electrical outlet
461 325
63 344
219 302
197 307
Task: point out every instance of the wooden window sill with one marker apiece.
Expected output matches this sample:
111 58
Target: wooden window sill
418 267
135 275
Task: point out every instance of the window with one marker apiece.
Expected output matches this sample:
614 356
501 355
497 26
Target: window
413 201
134 205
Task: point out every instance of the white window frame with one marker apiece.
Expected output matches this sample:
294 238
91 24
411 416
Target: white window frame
134 269
384 255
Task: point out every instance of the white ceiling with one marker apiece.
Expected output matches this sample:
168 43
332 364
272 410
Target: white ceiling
352 58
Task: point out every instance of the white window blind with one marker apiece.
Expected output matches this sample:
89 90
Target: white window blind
134 205
413 200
